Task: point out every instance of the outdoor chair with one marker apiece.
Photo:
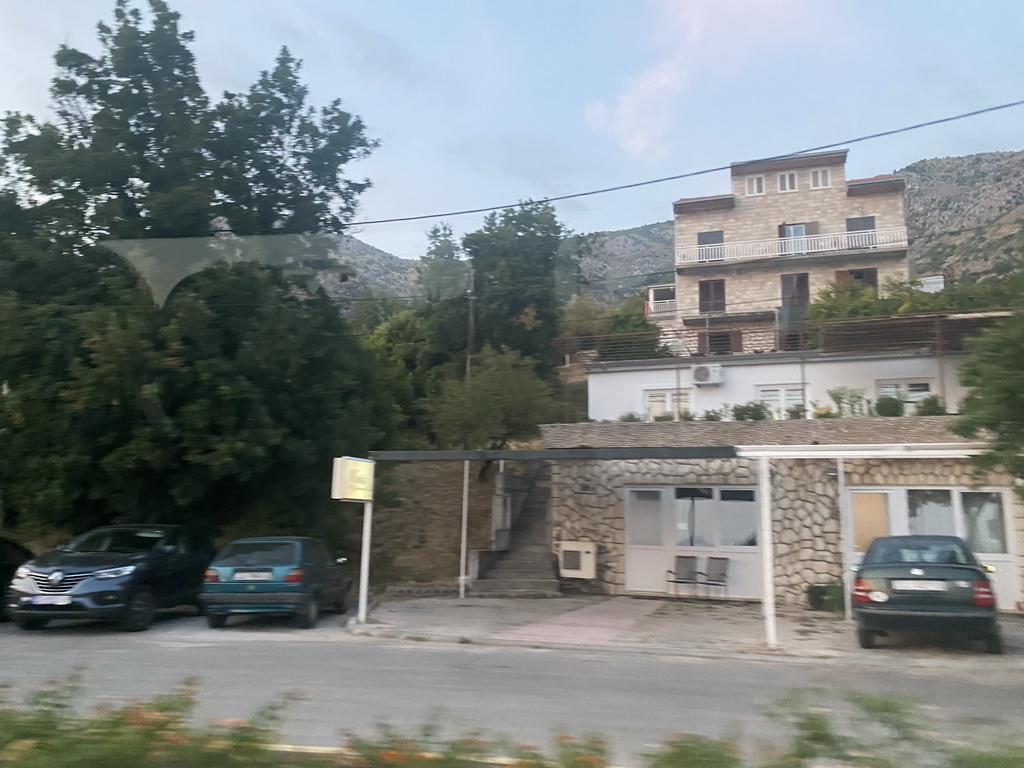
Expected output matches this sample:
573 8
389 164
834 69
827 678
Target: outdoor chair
685 573
717 574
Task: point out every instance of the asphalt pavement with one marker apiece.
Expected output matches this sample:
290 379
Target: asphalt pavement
345 682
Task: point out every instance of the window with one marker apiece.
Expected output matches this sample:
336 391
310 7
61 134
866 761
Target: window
711 296
820 178
716 517
787 182
983 521
755 185
719 342
795 236
643 518
796 291
930 512
908 392
658 404
663 294
866 277
861 232
710 245
780 399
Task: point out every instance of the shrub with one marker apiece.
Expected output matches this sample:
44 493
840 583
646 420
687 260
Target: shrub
931 406
752 411
630 417
889 406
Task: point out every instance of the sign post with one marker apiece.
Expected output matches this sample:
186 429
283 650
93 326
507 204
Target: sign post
352 480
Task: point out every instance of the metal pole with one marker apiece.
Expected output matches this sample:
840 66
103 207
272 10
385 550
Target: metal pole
845 538
470 341
463 576
767 553
364 561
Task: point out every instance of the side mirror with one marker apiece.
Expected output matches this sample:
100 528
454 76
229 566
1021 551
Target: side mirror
341 560
854 568
168 549
988 568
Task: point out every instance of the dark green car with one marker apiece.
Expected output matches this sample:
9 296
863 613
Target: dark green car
929 583
274 575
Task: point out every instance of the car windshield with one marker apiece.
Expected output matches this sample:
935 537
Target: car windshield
111 540
904 551
255 553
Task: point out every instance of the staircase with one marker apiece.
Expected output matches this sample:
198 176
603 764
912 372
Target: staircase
528 568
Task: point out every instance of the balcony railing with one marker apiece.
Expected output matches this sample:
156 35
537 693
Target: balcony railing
660 308
792 246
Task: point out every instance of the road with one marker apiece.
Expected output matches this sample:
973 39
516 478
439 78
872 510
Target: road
351 683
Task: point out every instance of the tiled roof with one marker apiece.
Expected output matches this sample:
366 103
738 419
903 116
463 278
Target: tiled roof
882 177
705 197
682 434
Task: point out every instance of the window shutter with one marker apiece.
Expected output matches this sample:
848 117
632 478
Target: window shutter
812 228
702 343
870 277
842 277
718 295
735 341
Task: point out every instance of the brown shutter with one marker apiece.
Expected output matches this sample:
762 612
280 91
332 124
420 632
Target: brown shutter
719 295
842 277
782 230
735 341
812 228
702 343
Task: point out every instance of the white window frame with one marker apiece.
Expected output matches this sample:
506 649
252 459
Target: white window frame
786 178
904 395
757 181
679 399
785 402
817 175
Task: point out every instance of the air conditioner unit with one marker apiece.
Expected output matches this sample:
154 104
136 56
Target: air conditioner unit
707 375
577 559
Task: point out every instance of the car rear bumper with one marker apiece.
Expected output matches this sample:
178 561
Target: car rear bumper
977 623
253 602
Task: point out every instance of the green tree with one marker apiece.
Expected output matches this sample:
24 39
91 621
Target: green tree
994 406
503 400
443 273
515 258
630 335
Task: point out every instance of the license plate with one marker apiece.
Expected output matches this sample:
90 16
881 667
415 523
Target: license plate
51 600
919 585
253 576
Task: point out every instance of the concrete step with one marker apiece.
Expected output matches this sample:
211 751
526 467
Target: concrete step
522 593
520 573
535 585
515 560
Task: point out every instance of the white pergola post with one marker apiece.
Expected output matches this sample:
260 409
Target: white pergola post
764 472
845 537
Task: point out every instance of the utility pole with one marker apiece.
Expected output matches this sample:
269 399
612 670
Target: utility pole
470 333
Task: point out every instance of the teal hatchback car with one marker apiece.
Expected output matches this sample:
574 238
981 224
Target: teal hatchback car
274 575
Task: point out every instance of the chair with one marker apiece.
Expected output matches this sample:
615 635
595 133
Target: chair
717 574
685 573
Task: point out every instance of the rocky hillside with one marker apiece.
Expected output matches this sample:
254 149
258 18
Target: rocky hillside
965 216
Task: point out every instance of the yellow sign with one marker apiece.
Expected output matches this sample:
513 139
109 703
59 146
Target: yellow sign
352 479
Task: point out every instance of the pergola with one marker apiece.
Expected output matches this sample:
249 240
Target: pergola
763 454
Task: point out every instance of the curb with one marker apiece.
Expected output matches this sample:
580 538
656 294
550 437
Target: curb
840 658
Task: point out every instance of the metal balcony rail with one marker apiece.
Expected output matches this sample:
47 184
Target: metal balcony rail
665 307
791 246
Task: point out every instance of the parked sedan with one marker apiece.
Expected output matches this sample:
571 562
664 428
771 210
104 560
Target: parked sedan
12 556
283 575
924 583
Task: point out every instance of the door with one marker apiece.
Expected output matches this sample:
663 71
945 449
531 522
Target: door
710 246
861 232
645 540
870 513
794 238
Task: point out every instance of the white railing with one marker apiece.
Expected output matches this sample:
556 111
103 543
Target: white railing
667 307
791 246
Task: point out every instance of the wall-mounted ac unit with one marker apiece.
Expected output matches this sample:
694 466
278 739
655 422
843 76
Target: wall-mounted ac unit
707 375
577 559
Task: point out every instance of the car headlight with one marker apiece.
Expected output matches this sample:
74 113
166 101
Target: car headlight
115 573
22 572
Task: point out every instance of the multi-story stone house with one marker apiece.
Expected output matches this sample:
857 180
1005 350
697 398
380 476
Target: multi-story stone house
748 262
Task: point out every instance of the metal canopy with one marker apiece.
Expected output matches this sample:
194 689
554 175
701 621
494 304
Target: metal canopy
564 454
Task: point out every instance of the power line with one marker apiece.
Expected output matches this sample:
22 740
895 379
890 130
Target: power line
692 174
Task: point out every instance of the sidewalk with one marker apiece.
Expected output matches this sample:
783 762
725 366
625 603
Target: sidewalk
667 627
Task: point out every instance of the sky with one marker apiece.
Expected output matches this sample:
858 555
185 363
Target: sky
483 103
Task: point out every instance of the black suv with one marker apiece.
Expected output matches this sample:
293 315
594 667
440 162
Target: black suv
120 573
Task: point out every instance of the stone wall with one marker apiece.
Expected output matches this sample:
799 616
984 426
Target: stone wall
587 504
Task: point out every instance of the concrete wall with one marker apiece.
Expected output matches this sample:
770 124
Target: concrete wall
613 393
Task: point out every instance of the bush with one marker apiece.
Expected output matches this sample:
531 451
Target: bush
825 597
752 411
931 406
889 406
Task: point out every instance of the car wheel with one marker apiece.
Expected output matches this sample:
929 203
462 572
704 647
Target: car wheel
340 608
994 643
140 611
308 615
33 624
866 638
216 620
200 608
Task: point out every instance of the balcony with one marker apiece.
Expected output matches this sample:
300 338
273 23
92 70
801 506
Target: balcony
792 246
665 308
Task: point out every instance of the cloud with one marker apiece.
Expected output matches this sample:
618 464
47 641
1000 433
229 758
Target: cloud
697 38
